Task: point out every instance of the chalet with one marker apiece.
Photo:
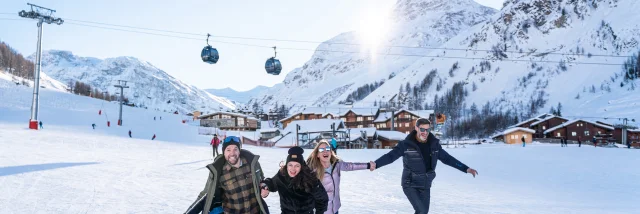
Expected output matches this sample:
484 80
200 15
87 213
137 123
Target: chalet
229 121
514 135
633 135
196 114
359 117
330 116
362 137
574 129
404 120
268 133
309 130
543 124
527 123
389 139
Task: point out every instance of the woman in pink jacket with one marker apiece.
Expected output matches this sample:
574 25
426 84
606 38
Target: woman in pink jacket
327 167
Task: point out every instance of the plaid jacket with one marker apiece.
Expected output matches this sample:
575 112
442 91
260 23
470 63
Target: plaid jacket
212 195
238 194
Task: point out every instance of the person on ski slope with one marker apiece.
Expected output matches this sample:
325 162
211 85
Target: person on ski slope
421 151
154 137
233 185
523 141
215 142
40 123
299 189
327 167
129 133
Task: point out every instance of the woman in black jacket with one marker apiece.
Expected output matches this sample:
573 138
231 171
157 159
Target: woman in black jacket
299 189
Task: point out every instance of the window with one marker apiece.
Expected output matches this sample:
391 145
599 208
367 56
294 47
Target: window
240 121
371 125
360 126
395 125
297 117
586 133
407 116
407 132
558 134
599 132
359 119
544 127
343 119
370 118
525 136
406 125
573 134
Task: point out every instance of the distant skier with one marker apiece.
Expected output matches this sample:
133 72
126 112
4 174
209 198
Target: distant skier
154 137
160 117
215 142
154 118
595 142
523 141
129 133
93 125
334 144
579 142
40 123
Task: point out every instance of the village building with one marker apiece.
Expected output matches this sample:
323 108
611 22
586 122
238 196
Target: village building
579 129
543 124
359 117
404 120
229 121
514 135
389 139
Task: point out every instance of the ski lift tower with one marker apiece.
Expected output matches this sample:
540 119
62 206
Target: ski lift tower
43 15
122 85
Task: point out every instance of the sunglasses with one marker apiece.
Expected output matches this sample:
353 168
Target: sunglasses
232 138
423 129
324 149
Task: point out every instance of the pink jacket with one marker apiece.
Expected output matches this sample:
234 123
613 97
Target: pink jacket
331 183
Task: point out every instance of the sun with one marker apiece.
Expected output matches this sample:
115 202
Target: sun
372 30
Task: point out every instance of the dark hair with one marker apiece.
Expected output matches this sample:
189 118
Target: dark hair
305 180
423 121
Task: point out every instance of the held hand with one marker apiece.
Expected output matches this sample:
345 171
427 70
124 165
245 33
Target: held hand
372 166
264 193
472 171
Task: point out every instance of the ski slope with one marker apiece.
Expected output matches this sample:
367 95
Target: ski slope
67 167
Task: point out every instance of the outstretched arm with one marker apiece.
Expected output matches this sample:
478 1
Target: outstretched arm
349 166
393 155
446 158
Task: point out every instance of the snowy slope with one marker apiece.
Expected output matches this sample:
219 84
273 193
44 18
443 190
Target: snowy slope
608 28
328 77
153 87
237 96
45 81
531 37
67 167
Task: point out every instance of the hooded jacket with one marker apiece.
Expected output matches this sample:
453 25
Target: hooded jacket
331 182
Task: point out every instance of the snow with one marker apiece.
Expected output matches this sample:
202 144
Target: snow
382 117
318 125
67 167
526 121
391 135
355 133
362 111
574 121
154 87
268 130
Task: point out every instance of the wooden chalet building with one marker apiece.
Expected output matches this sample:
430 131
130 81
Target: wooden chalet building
404 120
229 121
359 117
542 125
633 135
389 139
514 135
574 129
527 123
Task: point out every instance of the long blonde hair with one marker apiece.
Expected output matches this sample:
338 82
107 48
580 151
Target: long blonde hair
314 162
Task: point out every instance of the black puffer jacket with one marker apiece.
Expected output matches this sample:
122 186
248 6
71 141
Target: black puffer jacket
295 200
414 173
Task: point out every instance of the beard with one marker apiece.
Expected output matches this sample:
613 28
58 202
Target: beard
233 160
422 139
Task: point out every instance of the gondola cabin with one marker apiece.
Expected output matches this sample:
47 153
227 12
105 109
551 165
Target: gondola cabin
210 55
273 66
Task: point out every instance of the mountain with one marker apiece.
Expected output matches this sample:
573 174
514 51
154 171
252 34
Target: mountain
149 86
336 69
237 96
526 58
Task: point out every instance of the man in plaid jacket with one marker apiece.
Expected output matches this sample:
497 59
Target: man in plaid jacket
233 183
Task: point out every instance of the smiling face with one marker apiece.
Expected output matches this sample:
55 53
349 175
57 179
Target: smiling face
423 134
232 154
325 155
293 168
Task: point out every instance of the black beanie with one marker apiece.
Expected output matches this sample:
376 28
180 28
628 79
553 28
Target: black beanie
295 154
232 140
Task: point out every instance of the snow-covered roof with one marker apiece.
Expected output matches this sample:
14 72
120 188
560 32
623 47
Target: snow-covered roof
603 123
361 111
330 113
318 125
634 130
545 115
355 132
382 117
505 132
526 121
547 118
291 116
320 110
229 113
421 113
266 124
266 130
392 135
576 120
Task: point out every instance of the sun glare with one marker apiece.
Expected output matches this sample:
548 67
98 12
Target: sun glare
373 27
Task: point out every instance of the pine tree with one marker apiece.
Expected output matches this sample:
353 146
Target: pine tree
553 111
559 109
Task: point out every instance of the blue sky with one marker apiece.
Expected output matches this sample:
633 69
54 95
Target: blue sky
240 67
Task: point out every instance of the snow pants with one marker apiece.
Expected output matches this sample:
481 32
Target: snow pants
420 197
215 151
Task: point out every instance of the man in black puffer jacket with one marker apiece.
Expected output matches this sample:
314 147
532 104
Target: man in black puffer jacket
421 151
